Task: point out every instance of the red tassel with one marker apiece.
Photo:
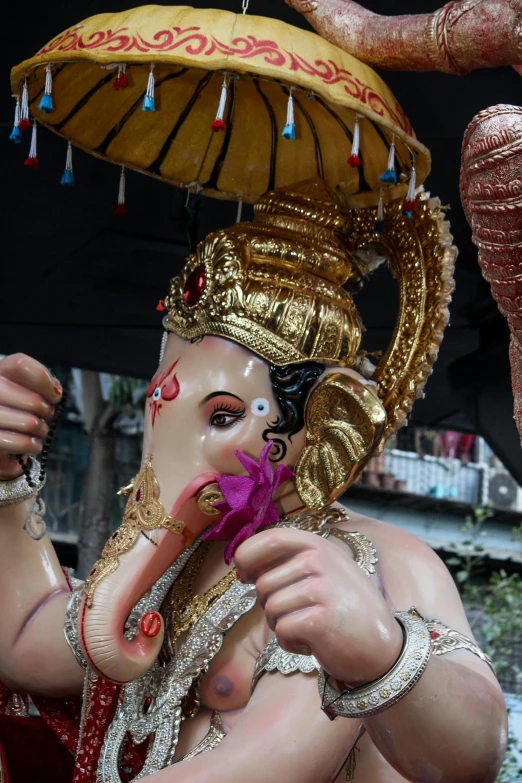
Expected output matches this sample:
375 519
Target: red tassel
121 81
121 211
218 125
160 306
408 206
32 162
24 125
124 82
354 161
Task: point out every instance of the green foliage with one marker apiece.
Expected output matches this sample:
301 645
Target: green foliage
495 614
127 394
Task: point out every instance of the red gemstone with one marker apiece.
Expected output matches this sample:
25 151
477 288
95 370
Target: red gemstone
138 495
194 286
146 704
150 624
434 634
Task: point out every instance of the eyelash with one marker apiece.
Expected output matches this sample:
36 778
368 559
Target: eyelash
238 415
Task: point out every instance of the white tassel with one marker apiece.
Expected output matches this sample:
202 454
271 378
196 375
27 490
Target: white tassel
379 223
289 129
46 102
148 100
25 122
219 122
68 176
354 160
121 210
239 209
16 133
408 205
389 176
121 80
32 160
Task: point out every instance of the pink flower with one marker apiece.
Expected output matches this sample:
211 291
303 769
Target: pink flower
248 501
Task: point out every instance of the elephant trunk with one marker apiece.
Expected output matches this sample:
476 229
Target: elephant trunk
457 38
101 626
491 193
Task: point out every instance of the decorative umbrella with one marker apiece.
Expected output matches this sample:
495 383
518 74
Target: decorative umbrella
231 105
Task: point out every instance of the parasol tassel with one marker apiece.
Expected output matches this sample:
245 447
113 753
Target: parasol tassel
219 123
160 306
148 100
46 102
389 176
289 129
408 205
121 81
16 133
121 210
380 224
354 160
32 160
68 176
25 122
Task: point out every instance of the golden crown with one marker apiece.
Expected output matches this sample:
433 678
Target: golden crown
279 285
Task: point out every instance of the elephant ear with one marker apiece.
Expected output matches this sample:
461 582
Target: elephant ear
344 424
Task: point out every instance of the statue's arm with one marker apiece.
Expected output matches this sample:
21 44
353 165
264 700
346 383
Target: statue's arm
34 656
460 36
315 596
452 726
282 736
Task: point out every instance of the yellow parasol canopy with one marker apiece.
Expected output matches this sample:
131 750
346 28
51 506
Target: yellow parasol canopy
262 62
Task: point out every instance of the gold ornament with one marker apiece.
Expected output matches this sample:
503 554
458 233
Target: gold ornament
207 498
344 426
277 285
183 608
143 512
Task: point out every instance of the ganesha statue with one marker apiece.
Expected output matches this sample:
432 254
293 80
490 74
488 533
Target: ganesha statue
241 623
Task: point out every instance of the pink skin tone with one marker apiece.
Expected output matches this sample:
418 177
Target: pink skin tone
398 43
313 596
211 426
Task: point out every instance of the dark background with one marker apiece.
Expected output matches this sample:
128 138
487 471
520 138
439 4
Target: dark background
78 287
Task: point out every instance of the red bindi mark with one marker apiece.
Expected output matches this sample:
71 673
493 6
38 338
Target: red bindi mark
161 388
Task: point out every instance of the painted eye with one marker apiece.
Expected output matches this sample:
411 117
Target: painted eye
157 393
260 407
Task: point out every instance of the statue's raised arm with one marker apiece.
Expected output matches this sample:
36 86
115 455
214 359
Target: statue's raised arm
457 38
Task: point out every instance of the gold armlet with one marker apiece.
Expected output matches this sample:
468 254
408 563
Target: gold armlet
444 640
364 552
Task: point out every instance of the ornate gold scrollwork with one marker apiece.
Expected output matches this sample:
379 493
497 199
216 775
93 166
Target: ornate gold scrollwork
143 512
344 424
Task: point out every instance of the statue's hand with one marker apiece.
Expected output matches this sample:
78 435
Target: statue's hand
317 600
28 393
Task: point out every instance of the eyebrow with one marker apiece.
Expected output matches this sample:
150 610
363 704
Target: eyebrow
219 394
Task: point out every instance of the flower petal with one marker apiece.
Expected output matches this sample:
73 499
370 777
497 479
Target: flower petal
230 525
236 490
249 464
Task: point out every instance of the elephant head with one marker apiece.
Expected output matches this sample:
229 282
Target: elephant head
263 345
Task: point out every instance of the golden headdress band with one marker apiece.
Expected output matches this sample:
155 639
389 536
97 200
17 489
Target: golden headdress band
277 285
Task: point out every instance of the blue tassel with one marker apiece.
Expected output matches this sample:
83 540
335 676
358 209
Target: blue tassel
16 135
289 129
46 104
389 176
148 103
148 100
68 178
380 225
